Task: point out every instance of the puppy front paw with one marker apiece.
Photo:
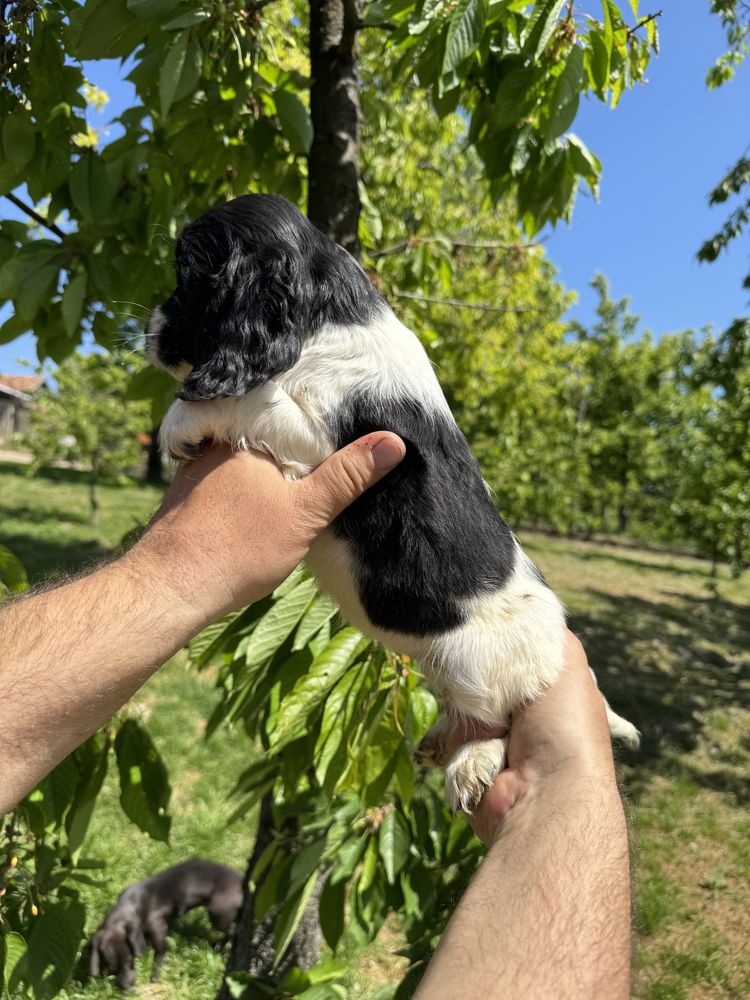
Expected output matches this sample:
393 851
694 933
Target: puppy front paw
432 749
184 433
472 770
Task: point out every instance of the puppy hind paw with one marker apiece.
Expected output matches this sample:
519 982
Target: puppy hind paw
472 770
622 730
628 735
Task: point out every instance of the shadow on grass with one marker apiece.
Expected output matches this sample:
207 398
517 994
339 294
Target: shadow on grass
46 559
76 477
662 664
632 562
64 513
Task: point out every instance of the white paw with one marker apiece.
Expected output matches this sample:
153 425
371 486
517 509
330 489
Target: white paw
432 749
183 430
473 768
622 730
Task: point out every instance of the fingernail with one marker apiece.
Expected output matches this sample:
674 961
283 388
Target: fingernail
387 453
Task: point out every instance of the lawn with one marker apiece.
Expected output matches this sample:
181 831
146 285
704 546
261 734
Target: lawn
671 647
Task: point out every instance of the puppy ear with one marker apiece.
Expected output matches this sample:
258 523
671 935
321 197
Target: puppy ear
254 328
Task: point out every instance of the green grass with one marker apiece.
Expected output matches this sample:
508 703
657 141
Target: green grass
671 648
44 518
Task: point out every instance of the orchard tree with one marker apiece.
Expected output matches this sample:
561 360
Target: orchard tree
80 418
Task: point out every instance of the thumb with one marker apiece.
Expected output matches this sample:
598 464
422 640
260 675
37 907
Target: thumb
346 475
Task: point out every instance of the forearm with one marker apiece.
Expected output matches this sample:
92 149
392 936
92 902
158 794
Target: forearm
70 657
548 912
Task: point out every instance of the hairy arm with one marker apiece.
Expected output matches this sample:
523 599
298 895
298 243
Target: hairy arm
548 912
229 531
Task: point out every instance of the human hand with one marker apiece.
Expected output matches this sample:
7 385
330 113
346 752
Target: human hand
231 528
559 740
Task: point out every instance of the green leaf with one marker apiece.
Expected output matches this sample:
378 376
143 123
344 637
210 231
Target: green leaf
565 97
19 140
36 291
393 843
343 709
14 948
172 69
381 11
295 121
13 327
56 791
72 303
404 775
36 256
310 690
332 909
541 26
584 162
91 187
104 29
514 95
156 9
369 866
464 32
278 623
324 991
12 572
320 611
290 916
188 20
144 784
52 949
598 63
347 859
92 759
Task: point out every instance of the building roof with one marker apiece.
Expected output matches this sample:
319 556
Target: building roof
22 383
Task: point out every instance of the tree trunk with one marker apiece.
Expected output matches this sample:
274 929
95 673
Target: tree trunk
93 500
253 946
154 470
333 206
333 191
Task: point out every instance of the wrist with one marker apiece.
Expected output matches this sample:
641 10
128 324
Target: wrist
160 561
574 792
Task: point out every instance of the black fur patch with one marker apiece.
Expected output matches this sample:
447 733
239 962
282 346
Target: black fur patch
427 535
254 279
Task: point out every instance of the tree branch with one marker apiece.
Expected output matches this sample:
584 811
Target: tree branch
462 244
36 216
459 304
646 20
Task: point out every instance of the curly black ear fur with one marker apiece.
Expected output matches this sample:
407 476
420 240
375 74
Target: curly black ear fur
254 325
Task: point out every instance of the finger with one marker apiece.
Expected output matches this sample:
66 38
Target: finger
343 477
497 802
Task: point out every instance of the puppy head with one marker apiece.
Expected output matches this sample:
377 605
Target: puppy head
114 948
254 279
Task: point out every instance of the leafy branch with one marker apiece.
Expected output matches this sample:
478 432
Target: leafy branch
460 304
411 241
33 214
643 22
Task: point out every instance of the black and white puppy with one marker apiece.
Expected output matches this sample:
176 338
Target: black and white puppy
283 345
143 912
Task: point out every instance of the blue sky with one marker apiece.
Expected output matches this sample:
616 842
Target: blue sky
662 150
